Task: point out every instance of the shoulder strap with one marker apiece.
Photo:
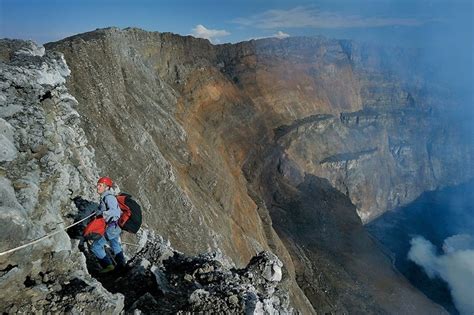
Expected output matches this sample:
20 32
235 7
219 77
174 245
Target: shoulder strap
105 203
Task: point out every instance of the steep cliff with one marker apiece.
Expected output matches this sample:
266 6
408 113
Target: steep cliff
380 159
44 153
45 158
198 115
266 145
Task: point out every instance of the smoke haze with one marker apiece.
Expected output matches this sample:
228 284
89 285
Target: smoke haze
455 266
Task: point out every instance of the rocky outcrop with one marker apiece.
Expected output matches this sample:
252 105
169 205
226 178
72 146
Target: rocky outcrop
44 153
161 280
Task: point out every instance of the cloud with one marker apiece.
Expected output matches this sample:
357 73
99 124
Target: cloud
212 35
299 17
455 266
280 35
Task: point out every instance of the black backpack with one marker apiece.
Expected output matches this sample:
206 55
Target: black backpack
131 218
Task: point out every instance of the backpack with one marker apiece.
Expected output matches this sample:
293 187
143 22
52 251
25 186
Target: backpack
95 229
131 218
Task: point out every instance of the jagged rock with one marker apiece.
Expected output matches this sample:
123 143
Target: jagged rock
176 283
8 151
39 139
146 303
267 265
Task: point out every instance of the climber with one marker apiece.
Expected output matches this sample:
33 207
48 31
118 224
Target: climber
110 210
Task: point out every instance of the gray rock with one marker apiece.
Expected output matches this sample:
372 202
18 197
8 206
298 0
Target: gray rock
34 177
8 150
199 296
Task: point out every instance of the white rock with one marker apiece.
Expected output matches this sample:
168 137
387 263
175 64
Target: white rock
29 194
8 151
3 100
47 77
8 200
9 110
197 296
32 50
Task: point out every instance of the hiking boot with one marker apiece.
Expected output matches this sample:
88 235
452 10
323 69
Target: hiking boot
120 260
106 264
108 268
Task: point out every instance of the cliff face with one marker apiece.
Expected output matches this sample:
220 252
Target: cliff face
45 158
380 159
210 100
266 145
44 153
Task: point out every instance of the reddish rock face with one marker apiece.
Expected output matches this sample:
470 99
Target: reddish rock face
212 139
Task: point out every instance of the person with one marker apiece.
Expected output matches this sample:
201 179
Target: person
110 210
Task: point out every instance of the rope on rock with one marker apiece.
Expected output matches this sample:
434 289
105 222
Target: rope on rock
44 237
130 244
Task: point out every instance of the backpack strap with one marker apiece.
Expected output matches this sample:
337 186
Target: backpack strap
106 208
105 203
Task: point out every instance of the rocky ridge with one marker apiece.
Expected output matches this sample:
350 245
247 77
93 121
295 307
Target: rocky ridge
44 153
161 280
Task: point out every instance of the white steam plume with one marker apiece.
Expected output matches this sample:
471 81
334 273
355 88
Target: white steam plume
455 266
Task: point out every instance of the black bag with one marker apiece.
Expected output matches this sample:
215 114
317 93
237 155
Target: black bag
131 218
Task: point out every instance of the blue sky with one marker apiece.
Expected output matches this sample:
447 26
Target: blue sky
442 28
233 21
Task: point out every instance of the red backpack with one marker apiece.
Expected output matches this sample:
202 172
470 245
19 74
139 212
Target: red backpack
131 218
95 229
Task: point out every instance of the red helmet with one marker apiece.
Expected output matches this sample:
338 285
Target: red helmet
105 180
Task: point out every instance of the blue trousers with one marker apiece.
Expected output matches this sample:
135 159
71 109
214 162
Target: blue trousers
112 234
